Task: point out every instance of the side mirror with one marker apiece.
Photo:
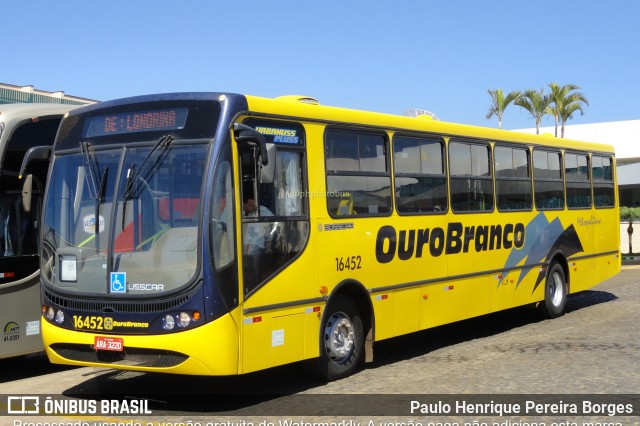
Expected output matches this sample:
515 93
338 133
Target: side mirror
244 133
27 190
34 153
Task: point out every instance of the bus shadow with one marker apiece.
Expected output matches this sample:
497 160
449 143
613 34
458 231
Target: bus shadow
28 366
270 389
182 394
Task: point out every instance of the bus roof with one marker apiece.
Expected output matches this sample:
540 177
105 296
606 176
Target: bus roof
10 113
306 110
14 114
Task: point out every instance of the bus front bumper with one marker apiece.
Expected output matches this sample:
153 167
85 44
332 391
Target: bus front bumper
211 349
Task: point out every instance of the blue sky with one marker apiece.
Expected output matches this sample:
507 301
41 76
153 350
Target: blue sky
385 56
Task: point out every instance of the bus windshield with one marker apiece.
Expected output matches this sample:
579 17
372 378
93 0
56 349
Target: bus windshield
124 220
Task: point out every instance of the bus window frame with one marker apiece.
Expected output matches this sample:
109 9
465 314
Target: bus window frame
8 132
472 142
341 173
603 182
567 181
560 153
301 150
445 171
529 154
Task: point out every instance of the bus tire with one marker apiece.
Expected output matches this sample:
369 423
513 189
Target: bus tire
555 293
341 340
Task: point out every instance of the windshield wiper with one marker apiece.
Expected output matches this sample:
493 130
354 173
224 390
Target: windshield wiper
146 170
99 188
92 166
127 192
101 197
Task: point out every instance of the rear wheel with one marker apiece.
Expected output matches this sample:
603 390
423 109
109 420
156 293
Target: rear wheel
341 340
555 293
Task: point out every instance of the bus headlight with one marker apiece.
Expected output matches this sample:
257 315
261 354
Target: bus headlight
184 319
50 313
59 316
168 323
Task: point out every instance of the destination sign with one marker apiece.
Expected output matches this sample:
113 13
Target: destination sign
137 121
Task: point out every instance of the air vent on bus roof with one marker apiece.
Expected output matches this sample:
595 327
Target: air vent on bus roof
421 113
300 99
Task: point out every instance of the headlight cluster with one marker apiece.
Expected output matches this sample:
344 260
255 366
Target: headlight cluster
181 320
169 321
53 315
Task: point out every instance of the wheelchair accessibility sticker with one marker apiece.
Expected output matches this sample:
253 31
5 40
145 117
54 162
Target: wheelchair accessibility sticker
118 282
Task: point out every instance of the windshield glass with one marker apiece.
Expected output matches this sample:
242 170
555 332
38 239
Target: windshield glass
124 221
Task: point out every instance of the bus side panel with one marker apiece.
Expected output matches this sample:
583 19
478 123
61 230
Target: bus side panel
256 343
406 307
605 268
597 238
515 288
515 285
583 272
476 258
418 258
456 300
284 328
606 224
281 335
385 255
20 319
271 339
396 312
383 312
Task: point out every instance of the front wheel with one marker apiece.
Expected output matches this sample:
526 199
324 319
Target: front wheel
555 293
341 340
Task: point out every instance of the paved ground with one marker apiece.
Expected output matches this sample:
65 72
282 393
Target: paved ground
593 349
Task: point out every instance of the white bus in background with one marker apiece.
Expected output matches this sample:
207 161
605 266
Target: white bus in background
22 126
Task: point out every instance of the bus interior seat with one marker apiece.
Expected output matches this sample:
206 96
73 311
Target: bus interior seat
345 207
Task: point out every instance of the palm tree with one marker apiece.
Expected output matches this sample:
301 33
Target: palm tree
556 99
629 214
499 103
565 103
537 103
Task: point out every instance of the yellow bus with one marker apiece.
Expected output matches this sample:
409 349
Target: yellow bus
22 126
221 234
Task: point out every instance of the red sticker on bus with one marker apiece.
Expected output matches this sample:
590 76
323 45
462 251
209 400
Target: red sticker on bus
108 344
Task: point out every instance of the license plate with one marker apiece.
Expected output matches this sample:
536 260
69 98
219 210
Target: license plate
108 344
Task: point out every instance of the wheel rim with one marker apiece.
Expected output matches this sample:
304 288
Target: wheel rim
556 289
339 337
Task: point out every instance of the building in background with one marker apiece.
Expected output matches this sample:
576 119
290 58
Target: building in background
10 94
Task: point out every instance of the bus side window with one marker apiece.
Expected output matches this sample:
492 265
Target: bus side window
288 184
513 182
547 180
603 189
576 169
421 183
221 217
358 178
12 226
471 182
